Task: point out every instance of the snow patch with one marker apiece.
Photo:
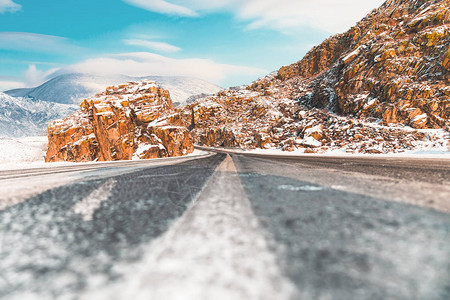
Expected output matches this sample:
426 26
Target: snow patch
22 150
311 130
142 148
305 188
419 117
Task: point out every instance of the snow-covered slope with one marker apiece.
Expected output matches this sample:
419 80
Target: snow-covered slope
68 88
27 116
73 88
23 150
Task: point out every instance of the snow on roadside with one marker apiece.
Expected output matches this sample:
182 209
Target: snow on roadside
29 152
24 150
340 152
437 146
435 143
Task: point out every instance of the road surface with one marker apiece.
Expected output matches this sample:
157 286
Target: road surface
228 226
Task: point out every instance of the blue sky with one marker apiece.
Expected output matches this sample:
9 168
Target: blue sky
227 42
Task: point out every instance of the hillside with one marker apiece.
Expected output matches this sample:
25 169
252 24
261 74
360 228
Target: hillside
26 116
74 88
393 65
378 88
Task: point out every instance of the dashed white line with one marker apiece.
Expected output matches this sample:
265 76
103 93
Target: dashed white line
305 188
216 250
93 201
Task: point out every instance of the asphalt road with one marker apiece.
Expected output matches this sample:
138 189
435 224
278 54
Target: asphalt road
228 227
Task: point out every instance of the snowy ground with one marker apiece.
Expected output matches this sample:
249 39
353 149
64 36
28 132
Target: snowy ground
29 152
300 152
22 151
435 145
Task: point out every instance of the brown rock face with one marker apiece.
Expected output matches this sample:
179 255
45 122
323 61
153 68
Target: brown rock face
119 124
392 67
250 119
397 59
345 94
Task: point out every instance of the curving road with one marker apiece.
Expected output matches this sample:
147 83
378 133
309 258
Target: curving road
228 226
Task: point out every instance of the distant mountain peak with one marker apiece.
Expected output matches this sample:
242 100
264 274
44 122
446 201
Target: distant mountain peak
74 87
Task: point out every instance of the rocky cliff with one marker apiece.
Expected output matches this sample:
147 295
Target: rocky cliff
393 65
346 93
383 86
119 125
252 119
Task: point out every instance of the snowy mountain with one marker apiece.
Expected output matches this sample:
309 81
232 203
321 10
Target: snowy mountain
27 116
181 89
73 88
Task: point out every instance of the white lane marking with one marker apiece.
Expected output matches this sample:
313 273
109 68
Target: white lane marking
92 202
306 188
216 250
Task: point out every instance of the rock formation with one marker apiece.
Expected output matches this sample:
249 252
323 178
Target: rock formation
119 125
391 68
249 119
376 88
393 65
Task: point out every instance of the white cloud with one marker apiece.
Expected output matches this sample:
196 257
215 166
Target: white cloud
185 8
328 15
209 5
6 85
34 77
156 46
9 6
139 64
144 64
162 6
33 42
31 77
283 15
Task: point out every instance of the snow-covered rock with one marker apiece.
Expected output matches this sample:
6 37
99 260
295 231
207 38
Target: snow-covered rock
393 65
119 124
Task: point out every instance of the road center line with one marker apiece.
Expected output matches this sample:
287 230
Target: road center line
93 201
216 250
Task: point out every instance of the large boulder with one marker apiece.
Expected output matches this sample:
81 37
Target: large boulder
119 124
